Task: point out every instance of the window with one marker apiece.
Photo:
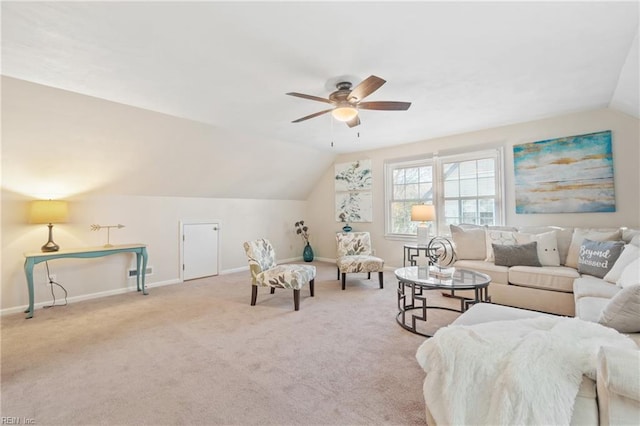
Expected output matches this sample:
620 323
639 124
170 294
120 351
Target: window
464 188
411 183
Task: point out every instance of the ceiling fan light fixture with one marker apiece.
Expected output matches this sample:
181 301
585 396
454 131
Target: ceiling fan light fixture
344 113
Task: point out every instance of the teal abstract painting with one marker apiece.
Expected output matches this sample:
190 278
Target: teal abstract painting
573 174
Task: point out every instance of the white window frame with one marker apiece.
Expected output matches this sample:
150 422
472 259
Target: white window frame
437 161
389 167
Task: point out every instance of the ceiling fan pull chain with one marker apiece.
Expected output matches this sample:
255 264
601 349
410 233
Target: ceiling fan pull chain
331 131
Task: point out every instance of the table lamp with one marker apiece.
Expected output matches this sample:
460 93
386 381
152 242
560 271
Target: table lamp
49 212
423 213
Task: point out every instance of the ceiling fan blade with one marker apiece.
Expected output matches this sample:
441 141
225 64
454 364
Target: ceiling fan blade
310 97
355 121
312 115
365 88
385 105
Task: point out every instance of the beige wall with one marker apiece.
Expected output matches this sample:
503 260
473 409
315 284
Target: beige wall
120 164
81 139
626 152
150 220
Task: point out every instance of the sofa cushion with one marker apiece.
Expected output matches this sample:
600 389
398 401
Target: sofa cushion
486 312
498 274
501 237
587 285
585 410
555 278
519 254
628 234
630 276
548 254
580 234
598 257
500 228
469 243
589 308
622 312
628 255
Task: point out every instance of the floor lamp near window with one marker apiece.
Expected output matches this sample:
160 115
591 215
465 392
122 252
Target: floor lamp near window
49 212
423 213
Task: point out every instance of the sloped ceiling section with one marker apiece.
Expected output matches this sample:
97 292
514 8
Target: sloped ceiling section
60 144
627 95
464 65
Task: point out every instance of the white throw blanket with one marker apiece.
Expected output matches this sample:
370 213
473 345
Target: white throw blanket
514 372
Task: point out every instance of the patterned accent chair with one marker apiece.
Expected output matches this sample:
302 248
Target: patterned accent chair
265 272
355 255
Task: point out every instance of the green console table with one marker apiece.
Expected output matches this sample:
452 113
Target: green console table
34 258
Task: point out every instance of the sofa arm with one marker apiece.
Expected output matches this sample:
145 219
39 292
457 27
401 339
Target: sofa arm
618 385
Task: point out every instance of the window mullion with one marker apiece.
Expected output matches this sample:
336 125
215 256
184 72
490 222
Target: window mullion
438 193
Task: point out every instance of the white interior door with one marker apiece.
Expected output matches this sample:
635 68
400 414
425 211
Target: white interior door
199 250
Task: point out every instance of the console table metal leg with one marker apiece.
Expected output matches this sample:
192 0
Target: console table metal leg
28 270
138 263
144 269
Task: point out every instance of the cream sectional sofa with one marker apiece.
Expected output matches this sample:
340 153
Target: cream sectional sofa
540 288
612 397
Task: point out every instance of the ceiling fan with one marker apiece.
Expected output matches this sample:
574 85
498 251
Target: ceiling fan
346 102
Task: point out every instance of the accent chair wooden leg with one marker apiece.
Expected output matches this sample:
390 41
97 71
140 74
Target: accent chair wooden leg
254 294
338 273
311 283
296 299
273 290
368 275
344 278
381 279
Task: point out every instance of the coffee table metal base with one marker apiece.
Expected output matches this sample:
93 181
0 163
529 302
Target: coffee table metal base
416 300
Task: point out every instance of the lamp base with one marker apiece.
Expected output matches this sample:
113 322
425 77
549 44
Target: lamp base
422 234
50 245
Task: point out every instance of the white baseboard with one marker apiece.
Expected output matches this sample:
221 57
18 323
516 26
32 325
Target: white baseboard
291 259
234 270
83 297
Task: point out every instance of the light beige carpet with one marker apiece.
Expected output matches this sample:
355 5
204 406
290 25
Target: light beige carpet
198 353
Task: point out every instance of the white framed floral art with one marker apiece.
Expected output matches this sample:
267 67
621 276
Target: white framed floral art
353 184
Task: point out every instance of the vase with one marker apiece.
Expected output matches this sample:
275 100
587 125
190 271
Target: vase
307 253
347 228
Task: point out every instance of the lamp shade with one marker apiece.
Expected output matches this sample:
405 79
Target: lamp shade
423 213
48 211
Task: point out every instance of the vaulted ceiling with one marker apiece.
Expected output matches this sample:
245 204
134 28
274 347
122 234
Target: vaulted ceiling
464 65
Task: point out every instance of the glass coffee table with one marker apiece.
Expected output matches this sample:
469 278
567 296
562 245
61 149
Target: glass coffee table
413 281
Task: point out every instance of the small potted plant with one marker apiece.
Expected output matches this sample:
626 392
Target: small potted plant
303 231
